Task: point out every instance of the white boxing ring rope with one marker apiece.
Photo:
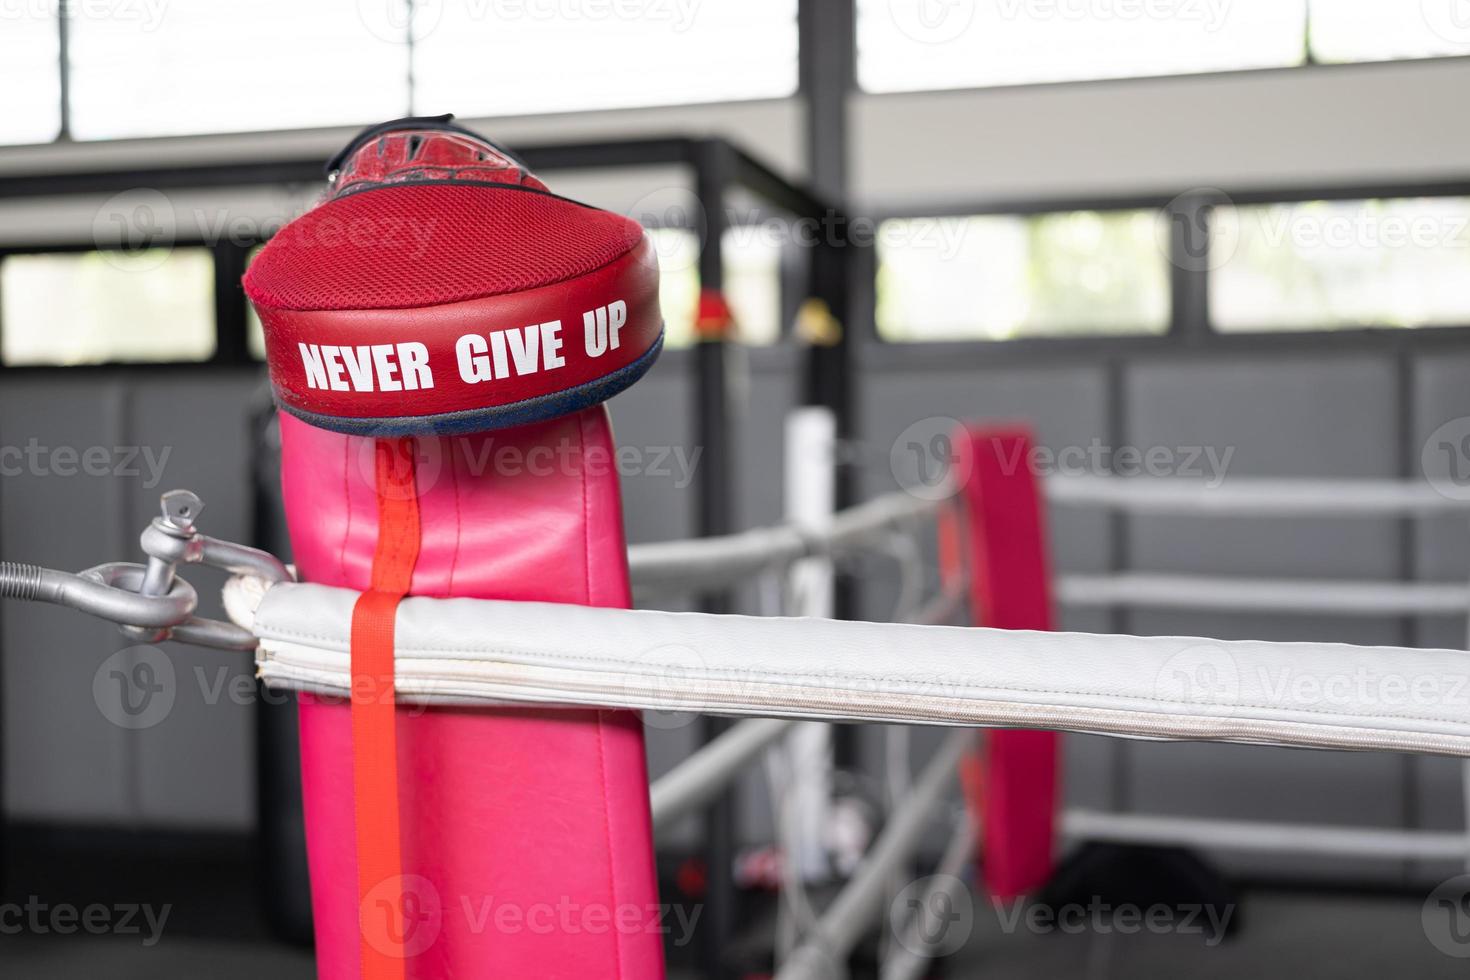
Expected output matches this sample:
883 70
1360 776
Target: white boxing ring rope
778 671
474 651
700 777
1338 597
1255 496
1265 498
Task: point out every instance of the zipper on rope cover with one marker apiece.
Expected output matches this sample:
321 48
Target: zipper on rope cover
381 915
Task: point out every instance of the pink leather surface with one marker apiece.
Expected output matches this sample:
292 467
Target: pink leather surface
1010 588
527 849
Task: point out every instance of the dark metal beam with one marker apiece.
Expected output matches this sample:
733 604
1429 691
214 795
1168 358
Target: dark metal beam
715 421
828 45
308 169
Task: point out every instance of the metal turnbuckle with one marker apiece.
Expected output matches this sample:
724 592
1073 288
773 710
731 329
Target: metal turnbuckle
151 603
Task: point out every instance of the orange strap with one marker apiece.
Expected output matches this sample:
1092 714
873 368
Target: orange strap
951 546
374 739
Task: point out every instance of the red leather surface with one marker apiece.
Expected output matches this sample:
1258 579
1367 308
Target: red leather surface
527 849
1010 588
632 279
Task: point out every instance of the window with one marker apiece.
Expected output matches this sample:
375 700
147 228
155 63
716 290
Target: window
908 45
202 66
1080 273
97 307
1382 30
552 56
752 284
30 75
1321 265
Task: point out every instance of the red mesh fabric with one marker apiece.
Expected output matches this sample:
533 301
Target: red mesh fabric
422 245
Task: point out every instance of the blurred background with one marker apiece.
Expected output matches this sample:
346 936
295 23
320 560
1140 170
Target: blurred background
1232 232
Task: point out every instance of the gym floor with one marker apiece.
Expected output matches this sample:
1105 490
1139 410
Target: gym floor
216 930
1369 936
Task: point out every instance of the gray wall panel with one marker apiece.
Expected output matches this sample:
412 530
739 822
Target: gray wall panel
196 767
64 760
1302 415
1065 407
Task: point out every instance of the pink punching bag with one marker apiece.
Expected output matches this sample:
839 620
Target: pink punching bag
441 331
1014 781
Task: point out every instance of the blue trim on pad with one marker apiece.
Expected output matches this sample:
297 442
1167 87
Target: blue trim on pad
538 409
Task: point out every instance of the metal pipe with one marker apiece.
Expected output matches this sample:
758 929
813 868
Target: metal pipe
726 560
705 774
1339 597
1266 497
1264 837
850 915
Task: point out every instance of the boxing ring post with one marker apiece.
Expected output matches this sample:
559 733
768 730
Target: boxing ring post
810 492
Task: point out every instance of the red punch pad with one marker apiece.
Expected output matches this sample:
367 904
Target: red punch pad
1010 588
527 848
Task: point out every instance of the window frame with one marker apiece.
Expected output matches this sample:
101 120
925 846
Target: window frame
1190 323
231 347
1028 208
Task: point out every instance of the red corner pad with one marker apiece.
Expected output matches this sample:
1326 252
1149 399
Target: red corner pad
360 367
